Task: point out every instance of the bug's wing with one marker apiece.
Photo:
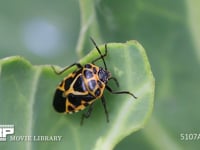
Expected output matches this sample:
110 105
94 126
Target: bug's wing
59 102
75 103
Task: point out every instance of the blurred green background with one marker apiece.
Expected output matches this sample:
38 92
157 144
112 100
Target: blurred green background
47 32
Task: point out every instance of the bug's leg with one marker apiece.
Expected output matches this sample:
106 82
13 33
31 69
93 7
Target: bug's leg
105 108
66 68
120 92
114 79
87 113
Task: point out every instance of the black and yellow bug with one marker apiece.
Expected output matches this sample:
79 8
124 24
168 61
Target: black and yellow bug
84 86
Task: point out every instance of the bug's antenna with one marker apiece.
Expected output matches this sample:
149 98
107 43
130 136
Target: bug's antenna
102 56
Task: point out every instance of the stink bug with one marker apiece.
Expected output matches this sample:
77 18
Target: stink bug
84 86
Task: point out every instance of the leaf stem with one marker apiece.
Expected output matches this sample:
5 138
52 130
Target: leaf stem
87 16
88 22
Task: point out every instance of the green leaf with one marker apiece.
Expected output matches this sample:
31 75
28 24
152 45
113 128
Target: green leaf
26 94
170 31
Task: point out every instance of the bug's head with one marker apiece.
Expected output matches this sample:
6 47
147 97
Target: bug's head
104 75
